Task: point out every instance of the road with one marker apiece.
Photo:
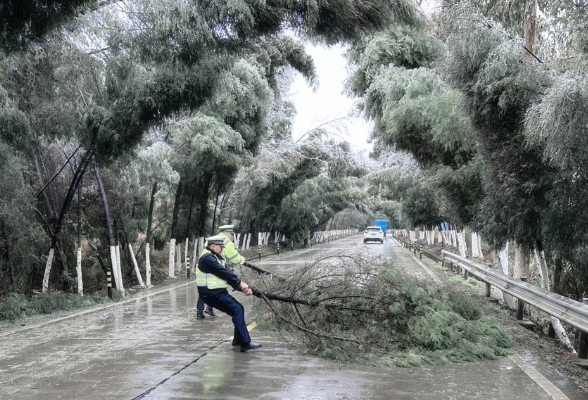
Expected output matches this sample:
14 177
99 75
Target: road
152 347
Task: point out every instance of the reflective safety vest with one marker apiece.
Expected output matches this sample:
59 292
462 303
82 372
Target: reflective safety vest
209 280
230 253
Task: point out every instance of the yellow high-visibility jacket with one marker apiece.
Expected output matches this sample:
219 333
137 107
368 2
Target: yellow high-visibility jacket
208 280
230 253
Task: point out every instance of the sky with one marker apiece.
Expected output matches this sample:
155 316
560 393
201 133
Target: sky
327 102
319 106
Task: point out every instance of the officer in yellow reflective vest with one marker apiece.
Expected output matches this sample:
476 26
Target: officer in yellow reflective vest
230 254
213 278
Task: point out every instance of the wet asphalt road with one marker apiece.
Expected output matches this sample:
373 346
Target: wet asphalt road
152 347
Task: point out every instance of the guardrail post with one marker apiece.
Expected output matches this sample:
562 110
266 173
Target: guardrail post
466 274
521 304
583 347
188 267
488 286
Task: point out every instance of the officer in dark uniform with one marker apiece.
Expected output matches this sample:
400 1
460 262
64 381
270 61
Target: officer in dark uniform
213 278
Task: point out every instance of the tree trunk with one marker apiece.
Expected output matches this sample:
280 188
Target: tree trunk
215 208
502 266
530 25
557 274
147 266
544 280
136 266
172 241
148 236
204 207
79 173
189 221
8 254
79 252
111 242
521 266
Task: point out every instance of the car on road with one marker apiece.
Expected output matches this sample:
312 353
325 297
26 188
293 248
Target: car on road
374 234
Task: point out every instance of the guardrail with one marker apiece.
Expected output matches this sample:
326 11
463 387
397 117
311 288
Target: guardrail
567 310
563 308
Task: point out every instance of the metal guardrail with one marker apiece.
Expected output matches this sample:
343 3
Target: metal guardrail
567 310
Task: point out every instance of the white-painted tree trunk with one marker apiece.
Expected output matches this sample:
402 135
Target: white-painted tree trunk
502 255
186 263
476 246
119 269
178 258
136 266
147 266
453 238
194 259
172 258
462 244
79 271
248 240
116 271
544 281
48 270
521 265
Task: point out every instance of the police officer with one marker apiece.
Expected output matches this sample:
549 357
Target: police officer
230 254
213 278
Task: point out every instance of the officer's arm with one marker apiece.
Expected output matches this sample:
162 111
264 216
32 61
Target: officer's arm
210 265
233 255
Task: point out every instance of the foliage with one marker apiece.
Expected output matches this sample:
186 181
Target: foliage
17 306
419 206
383 318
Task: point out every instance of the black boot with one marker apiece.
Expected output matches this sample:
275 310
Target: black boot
250 346
199 314
209 310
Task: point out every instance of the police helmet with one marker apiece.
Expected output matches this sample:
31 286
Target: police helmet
227 228
218 239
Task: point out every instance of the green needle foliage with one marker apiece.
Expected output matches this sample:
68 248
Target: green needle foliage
364 310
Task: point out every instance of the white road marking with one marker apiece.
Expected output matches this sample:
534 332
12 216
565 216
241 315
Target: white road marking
539 379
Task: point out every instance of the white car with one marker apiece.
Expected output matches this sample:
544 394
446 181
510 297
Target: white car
373 233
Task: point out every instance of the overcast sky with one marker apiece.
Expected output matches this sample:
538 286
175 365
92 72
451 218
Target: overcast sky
327 102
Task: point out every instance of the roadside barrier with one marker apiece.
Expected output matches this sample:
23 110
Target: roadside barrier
570 311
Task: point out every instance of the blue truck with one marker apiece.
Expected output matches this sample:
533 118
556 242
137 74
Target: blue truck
382 223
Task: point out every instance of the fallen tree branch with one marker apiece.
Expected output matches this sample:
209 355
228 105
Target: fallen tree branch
295 301
302 328
262 271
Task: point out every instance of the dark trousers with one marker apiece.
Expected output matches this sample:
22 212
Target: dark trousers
200 304
223 301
